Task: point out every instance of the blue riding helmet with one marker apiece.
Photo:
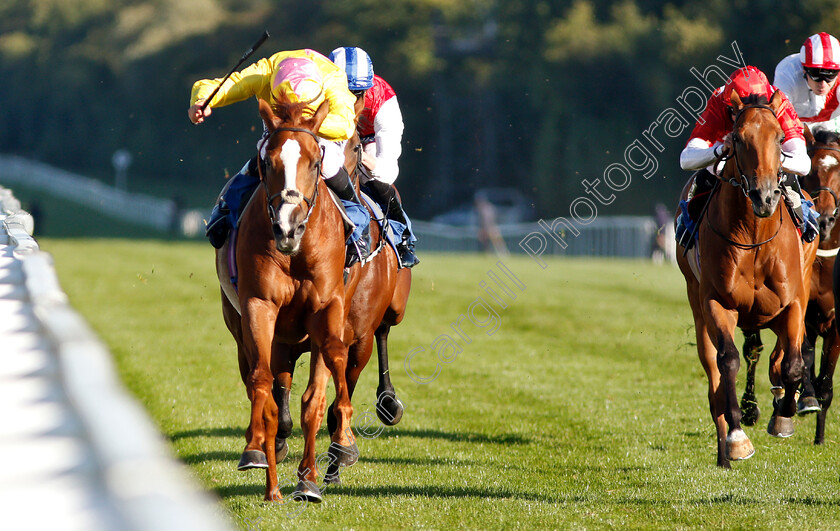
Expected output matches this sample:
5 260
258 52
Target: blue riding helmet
357 64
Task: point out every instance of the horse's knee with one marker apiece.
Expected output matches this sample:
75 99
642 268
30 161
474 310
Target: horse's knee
793 368
728 361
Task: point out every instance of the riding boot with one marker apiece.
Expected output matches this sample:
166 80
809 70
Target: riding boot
795 198
218 225
386 195
343 187
702 184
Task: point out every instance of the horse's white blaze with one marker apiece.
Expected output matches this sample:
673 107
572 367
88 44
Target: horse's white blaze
290 155
828 162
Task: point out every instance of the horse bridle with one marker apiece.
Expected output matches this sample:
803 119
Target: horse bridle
743 182
826 188
292 197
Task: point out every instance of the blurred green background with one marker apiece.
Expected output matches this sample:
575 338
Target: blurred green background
537 95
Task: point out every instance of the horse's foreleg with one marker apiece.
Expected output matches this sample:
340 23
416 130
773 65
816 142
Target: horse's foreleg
824 384
257 324
723 322
779 425
312 404
708 359
752 353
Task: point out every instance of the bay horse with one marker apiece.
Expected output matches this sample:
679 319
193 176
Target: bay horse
289 256
823 185
820 320
750 272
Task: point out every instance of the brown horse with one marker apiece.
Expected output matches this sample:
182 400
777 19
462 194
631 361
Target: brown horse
378 303
750 273
823 184
289 254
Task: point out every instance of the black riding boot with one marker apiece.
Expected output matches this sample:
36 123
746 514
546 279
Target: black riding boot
808 230
343 187
386 195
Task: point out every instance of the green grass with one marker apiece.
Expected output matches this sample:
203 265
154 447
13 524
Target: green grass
586 408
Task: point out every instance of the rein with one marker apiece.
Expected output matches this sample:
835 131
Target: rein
743 182
292 197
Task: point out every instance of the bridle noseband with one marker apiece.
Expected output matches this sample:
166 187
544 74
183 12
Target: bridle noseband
292 197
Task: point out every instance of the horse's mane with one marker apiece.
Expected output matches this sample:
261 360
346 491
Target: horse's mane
755 99
826 137
289 112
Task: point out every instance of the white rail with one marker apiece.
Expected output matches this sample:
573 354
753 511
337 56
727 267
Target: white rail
76 450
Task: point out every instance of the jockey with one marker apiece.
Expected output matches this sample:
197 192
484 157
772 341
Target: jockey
711 138
300 76
809 80
380 128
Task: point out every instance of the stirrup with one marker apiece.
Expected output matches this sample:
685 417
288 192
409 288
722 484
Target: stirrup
406 253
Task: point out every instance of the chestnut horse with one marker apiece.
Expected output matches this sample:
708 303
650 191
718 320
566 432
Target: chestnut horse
823 184
751 273
289 257
374 299
378 303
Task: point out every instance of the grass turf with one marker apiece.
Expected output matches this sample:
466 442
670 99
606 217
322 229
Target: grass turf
581 404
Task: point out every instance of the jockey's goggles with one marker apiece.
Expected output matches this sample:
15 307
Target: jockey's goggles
359 93
822 74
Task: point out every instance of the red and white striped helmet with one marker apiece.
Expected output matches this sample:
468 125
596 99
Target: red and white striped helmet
820 51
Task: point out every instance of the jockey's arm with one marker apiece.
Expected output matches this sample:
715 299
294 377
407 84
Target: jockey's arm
382 160
699 153
238 87
795 157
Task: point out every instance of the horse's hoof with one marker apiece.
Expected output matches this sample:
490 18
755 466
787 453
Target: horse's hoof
738 446
343 455
281 449
307 491
332 476
750 413
252 459
780 426
807 404
389 409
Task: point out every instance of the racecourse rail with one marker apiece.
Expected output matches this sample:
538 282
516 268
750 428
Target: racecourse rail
610 236
76 451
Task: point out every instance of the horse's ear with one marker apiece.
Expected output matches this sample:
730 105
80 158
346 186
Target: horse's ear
735 101
809 136
269 118
776 101
318 118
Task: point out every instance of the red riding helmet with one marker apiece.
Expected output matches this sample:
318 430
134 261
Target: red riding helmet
746 82
820 51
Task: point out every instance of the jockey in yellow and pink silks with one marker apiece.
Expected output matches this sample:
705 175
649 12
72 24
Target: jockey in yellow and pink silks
300 76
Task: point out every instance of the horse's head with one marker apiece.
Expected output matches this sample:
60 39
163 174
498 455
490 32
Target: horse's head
292 169
824 180
757 140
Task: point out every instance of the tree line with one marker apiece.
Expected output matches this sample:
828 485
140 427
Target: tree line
533 94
